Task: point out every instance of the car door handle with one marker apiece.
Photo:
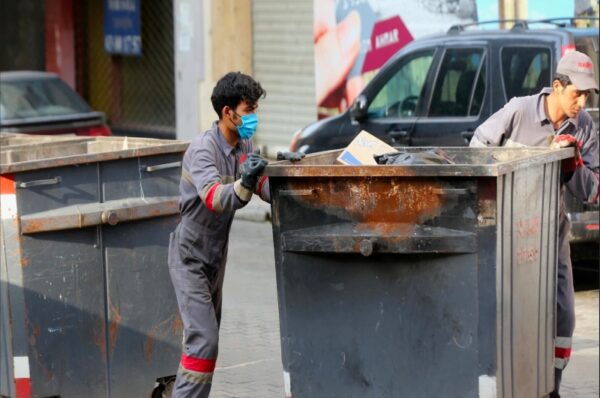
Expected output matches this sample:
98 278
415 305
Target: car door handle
467 135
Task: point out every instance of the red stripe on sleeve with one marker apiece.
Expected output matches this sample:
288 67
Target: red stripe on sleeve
261 184
562 352
198 364
210 196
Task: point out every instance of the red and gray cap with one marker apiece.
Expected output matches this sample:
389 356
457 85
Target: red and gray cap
580 69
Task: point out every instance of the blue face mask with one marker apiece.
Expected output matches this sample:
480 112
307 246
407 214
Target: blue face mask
248 126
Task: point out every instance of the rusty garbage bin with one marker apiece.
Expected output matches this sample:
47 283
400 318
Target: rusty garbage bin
87 308
418 280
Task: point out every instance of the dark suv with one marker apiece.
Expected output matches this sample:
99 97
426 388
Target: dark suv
437 90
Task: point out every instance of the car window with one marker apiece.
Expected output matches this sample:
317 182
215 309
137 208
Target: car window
399 97
454 86
525 70
589 46
38 97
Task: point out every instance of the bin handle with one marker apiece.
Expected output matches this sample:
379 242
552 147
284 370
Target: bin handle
92 214
297 192
151 169
39 183
451 191
363 239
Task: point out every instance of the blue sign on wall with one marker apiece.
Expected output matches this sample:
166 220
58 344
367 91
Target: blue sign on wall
122 27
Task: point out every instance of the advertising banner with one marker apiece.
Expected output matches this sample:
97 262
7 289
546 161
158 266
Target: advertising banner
354 38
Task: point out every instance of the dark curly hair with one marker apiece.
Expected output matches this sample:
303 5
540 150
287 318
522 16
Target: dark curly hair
232 89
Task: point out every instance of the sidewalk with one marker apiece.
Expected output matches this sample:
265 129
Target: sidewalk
249 363
256 210
580 379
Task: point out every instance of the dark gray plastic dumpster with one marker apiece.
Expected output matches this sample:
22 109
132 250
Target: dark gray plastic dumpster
87 308
418 281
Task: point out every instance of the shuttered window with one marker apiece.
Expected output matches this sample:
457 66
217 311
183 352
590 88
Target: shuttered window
283 62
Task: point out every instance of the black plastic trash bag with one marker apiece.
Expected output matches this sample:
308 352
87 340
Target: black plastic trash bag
431 156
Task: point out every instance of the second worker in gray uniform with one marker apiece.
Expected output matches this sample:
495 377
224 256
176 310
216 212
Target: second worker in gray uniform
556 116
220 174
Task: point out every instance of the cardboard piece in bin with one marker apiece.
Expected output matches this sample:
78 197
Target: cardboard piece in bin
362 149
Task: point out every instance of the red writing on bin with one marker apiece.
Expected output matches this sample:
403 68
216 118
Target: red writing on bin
527 255
529 227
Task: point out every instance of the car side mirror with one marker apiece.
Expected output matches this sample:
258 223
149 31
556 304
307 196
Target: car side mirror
358 110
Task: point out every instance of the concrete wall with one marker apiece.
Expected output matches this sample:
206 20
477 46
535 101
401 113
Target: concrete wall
212 37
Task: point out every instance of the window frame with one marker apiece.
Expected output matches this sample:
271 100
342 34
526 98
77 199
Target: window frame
389 71
483 63
551 61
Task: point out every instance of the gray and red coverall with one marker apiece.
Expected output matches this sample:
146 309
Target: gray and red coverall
211 192
523 122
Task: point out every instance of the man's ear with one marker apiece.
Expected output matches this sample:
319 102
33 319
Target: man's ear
556 86
225 111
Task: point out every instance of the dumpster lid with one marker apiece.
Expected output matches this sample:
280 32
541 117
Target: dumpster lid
19 139
22 153
468 162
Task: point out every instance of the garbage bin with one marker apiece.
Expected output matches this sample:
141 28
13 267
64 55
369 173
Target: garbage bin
418 280
87 308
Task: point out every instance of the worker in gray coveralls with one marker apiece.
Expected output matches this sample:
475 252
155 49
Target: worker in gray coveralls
556 112
220 174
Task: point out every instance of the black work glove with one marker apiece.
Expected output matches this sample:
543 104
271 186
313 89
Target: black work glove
250 170
291 156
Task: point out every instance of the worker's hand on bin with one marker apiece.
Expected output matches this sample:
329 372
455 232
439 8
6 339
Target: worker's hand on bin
291 156
251 169
570 165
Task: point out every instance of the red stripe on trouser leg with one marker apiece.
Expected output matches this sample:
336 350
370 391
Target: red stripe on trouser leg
23 387
198 364
562 352
210 197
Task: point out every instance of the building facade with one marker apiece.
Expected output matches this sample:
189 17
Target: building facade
164 89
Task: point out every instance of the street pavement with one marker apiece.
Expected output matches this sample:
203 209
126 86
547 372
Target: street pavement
249 364
582 374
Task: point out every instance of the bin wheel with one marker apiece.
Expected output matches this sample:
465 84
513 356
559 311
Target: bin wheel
164 389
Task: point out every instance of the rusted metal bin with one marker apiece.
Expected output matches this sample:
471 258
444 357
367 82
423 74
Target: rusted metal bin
418 281
87 308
